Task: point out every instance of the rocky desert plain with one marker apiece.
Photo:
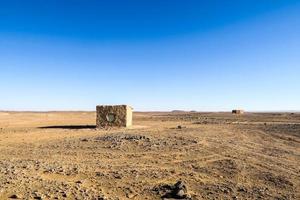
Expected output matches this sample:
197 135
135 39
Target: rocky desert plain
175 155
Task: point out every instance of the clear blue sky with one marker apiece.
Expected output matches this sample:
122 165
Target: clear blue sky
152 54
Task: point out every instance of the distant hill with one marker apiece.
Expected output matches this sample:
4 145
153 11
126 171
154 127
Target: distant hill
178 111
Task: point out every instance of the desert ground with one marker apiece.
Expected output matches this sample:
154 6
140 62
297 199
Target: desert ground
61 155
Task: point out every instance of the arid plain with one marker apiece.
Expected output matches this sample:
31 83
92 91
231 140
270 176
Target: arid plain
61 155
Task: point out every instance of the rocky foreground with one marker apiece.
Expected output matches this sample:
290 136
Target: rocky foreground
60 155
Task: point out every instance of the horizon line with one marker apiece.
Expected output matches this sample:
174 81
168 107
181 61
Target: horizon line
153 111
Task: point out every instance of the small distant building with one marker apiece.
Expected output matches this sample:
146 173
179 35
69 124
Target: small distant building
114 116
238 112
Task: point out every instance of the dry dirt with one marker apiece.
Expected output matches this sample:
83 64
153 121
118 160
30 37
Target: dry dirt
60 155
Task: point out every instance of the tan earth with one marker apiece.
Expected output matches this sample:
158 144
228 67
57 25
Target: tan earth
60 155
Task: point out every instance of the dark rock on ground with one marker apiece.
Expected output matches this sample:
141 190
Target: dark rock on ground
176 191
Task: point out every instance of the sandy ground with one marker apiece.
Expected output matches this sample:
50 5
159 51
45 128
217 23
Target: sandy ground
60 155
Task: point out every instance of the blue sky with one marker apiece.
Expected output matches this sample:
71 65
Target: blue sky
154 55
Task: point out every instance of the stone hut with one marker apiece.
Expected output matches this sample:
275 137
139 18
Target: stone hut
238 112
114 116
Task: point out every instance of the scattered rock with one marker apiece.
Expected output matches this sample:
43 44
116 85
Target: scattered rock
130 195
277 181
176 191
122 137
64 195
181 127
